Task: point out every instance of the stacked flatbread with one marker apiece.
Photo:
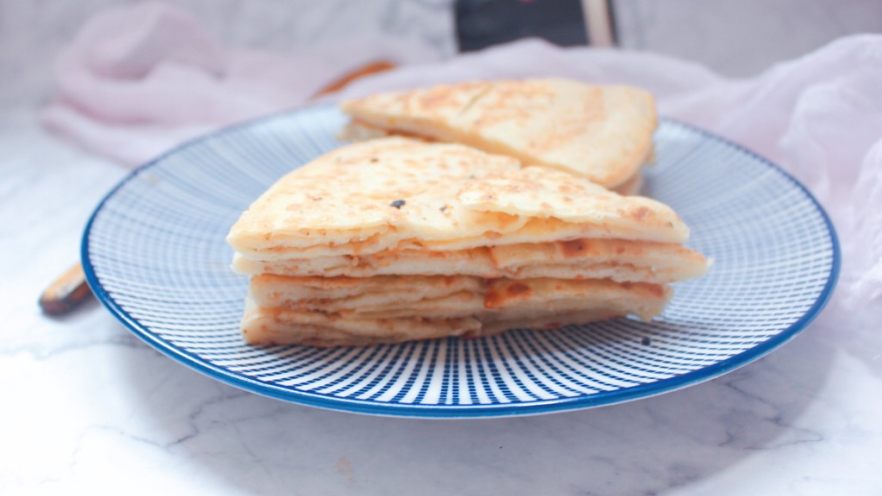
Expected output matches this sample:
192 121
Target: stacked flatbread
396 239
603 133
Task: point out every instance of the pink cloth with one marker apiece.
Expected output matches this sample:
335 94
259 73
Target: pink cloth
138 80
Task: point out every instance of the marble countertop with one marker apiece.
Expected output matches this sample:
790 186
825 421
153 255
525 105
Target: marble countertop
88 407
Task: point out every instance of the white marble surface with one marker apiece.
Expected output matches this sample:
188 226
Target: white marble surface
87 407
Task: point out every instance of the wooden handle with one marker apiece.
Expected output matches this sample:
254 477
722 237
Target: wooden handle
345 80
66 292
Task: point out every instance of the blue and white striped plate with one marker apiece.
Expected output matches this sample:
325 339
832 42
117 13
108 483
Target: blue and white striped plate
154 254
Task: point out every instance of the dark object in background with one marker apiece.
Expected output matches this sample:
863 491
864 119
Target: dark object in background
482 23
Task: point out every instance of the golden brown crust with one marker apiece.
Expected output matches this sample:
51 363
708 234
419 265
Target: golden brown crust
394 192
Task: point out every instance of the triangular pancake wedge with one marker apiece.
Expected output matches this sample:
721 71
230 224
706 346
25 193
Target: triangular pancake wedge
398 193
603 133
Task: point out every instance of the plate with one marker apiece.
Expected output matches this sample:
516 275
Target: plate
154 254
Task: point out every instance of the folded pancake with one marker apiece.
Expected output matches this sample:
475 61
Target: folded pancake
262 326
619 260
603 133
377 297
396 193
274 290
528 298
462 304
472 262
501 304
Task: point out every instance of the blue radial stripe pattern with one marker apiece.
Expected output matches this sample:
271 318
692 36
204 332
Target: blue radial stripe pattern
154 253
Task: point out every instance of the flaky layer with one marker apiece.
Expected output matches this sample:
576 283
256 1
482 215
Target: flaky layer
261 326
501 304
402 296
619 260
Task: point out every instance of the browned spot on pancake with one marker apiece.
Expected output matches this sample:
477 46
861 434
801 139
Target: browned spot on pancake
437 99
552 325
640 213
493 299
656 290
498 297
620 250
517 289
573 248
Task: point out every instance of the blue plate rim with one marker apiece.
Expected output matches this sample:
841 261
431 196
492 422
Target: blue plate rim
603 398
